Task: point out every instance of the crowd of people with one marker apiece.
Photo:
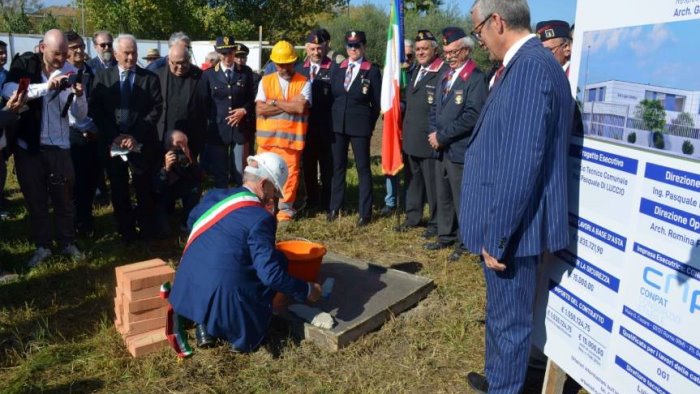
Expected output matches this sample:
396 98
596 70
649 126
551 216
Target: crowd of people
485 151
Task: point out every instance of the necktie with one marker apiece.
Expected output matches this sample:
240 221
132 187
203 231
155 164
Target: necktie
228 75
314 70
348 76
499 73
446 83
125 92
420 76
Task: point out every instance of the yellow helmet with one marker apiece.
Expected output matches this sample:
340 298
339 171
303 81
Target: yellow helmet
283 53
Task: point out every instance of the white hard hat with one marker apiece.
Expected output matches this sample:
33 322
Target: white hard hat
271 167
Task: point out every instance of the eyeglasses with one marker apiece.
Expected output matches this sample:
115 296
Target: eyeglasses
353 46
76 47
476 32
453 52
554 49
105 45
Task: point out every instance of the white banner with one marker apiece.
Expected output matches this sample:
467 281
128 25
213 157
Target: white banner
619 310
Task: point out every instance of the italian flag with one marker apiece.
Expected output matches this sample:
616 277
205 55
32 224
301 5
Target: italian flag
392 80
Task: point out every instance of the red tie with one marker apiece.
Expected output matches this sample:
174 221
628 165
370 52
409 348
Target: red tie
499 73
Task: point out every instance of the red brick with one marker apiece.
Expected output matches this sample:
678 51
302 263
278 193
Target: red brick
142 344
161 312
139 295
145 325
119 271
146 278
144 304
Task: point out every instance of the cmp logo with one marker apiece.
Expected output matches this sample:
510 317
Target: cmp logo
672 285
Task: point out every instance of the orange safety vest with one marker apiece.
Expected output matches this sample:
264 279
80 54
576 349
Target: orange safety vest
283 130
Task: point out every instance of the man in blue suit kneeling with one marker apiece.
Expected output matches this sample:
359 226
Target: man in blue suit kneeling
514 202
230 269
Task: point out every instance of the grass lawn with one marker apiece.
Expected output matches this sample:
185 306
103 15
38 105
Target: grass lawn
57 333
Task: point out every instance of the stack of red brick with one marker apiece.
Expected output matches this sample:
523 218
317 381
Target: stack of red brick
140 312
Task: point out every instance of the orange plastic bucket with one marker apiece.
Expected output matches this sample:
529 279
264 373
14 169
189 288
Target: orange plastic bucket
304 258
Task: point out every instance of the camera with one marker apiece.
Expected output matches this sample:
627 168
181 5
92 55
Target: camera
72 79
181 158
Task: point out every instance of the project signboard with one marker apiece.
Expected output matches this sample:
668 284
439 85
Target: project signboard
619 310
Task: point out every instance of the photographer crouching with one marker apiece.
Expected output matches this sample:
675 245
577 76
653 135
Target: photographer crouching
180 178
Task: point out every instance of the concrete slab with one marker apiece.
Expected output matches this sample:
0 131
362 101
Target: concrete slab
364 297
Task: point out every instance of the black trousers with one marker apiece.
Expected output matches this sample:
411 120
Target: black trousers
448 182
48 173
360 150
317 158
421 189
88 170
127 217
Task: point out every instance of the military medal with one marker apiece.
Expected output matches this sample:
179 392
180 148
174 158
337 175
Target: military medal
365 85
430 94
459 97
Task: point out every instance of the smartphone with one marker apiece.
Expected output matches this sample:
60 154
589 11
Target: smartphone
23 85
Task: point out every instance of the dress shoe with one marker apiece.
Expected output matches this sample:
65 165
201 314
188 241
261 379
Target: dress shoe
387 211
457 254
363 222
438 245
429 233
478 382
332 215
204 340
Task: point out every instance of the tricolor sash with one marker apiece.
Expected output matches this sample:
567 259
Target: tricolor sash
220 210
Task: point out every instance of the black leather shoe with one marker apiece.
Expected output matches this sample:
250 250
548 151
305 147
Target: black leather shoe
363 222
332 215
457 254
387 211
478 382
204 340
429 233
437 245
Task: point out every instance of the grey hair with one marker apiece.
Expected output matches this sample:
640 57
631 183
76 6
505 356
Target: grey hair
177 37
101 33
515 12
213 56
250 177
467 42
120 38
407 42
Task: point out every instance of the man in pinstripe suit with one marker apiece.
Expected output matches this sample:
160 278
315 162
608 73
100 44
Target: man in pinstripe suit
514 186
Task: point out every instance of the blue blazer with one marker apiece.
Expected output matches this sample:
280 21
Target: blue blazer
453 116
514 194
229 275
355 112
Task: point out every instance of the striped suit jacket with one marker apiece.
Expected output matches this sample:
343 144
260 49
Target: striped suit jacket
514 193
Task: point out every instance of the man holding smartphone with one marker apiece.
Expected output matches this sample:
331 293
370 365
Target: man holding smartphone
42 146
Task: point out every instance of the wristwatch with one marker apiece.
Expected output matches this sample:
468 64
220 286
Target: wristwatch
273 103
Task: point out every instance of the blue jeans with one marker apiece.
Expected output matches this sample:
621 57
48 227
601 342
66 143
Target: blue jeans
392 189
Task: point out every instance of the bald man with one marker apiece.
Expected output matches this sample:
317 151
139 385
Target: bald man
42 147
184 98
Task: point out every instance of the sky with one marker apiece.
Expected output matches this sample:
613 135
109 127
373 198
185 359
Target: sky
665 55
540 9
